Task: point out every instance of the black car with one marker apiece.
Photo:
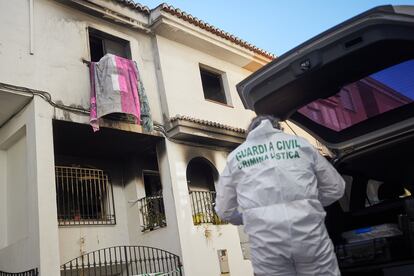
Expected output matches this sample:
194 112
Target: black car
352 88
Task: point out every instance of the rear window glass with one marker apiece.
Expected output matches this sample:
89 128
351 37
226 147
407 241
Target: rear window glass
356 102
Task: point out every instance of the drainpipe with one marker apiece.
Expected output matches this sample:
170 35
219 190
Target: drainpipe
31 27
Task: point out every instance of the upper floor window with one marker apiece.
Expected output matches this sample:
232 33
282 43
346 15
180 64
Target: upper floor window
101 43
213 86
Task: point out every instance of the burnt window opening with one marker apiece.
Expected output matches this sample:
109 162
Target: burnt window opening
213 86
201 175
101 43
152 205
152 183
84 196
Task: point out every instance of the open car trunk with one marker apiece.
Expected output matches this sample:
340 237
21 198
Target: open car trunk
340 86
372 226
352 88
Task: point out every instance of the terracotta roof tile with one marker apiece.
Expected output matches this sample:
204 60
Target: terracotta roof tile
207 123
199 23
134 5
203 25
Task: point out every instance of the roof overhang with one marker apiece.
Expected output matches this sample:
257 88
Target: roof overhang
176 29
205 132
118 13
11 102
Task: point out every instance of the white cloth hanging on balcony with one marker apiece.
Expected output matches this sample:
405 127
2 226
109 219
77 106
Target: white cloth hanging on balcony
116 87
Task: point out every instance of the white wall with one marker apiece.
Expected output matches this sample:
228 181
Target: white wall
31 204
13 185
19 236
17 197
200 243
183 87
3 199
60 43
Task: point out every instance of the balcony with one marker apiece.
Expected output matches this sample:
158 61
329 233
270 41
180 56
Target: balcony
202 205
152 213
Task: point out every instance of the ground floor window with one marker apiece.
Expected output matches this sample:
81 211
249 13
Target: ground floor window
201 176
84 196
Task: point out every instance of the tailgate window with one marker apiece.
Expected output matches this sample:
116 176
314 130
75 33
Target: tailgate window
368 97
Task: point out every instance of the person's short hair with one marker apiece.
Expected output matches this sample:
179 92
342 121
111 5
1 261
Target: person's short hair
258 119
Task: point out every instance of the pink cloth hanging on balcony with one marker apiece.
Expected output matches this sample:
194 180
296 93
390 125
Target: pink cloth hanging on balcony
114 88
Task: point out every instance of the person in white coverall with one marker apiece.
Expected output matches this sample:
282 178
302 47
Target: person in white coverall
276 184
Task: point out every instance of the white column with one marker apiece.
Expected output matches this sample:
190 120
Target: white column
41 168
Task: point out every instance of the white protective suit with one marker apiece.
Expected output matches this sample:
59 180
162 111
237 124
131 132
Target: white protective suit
280 182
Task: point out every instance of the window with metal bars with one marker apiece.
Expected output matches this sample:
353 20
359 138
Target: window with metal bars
152 206
201 175
202 205
84 196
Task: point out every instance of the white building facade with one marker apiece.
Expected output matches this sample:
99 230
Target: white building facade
121 201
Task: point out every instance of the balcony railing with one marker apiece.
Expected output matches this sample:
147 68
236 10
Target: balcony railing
31 272
152 213
202 205
125 261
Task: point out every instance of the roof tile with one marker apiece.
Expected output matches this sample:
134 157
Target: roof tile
134 5
199 23
207 123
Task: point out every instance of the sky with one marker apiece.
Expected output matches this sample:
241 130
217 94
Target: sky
274 25
398 77
279 25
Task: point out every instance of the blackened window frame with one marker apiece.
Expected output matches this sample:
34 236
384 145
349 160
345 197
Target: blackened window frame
205 72
72 194
152 206
95 35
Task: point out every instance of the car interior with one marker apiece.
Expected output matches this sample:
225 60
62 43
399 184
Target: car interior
379 189
372 226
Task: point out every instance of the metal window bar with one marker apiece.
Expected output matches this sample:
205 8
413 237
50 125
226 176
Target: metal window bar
152 213
84 197
31 272
202 205
124 260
